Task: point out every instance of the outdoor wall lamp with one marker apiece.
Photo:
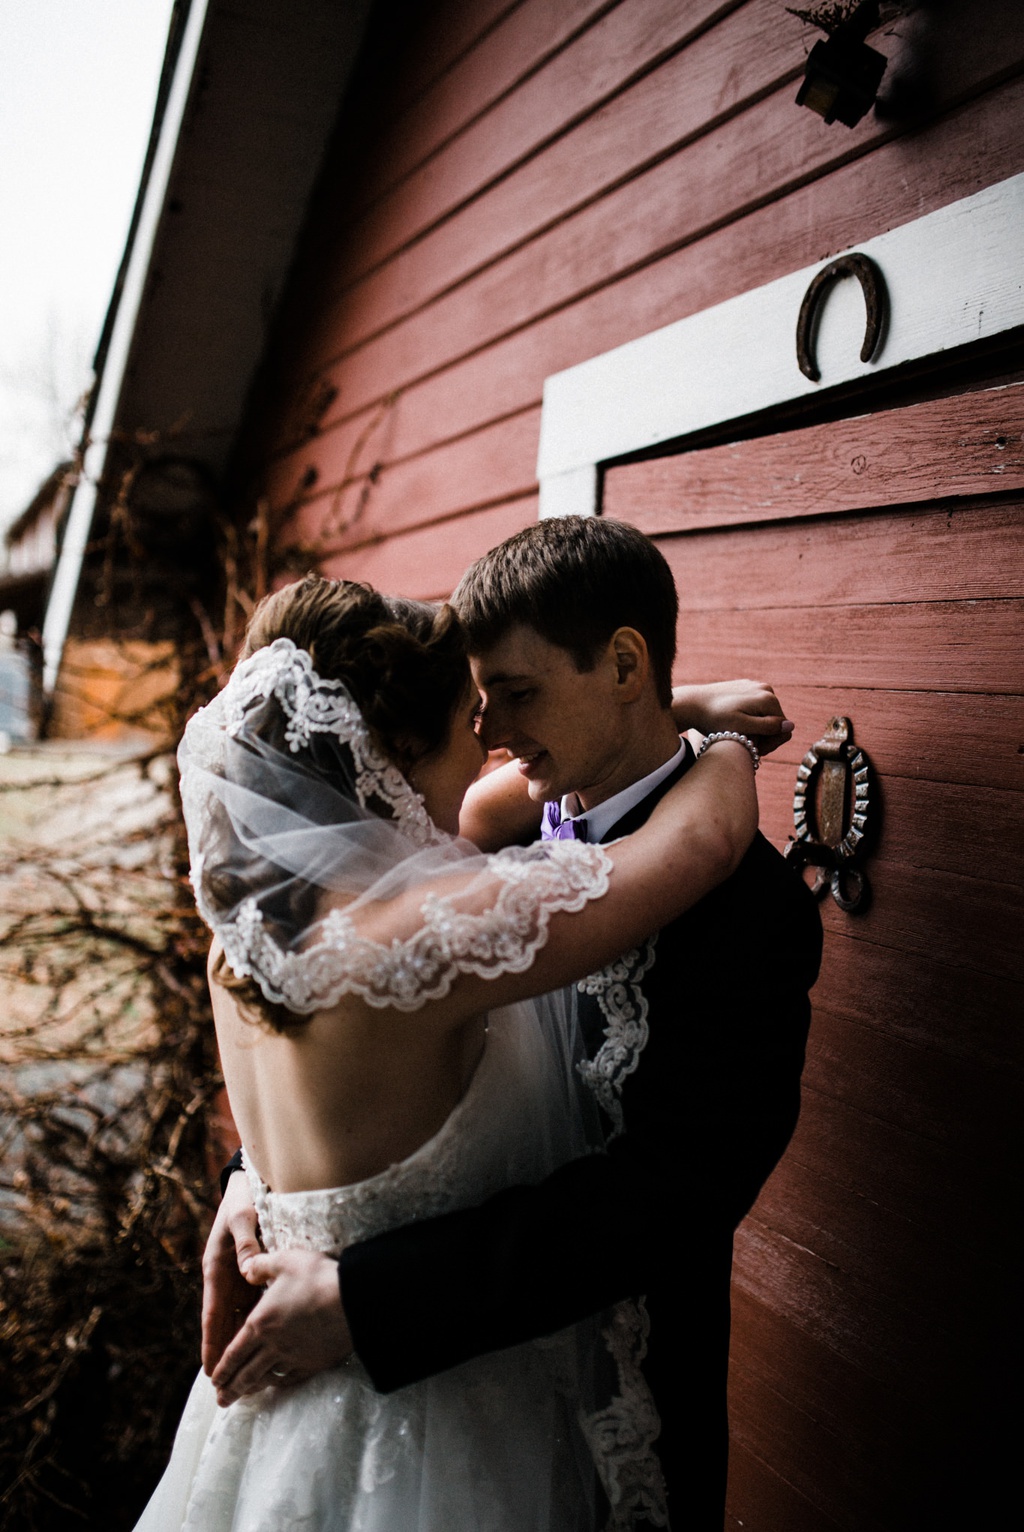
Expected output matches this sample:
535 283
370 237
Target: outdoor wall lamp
842 74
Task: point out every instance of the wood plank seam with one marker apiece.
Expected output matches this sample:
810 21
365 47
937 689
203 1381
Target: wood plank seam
938 503
508 90
450 368
540 146
959 1149
563 330
328 550
386 184
875 1039
467 48
574 209
872 940
332 488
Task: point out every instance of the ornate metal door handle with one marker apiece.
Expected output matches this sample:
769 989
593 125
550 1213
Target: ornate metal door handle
833 837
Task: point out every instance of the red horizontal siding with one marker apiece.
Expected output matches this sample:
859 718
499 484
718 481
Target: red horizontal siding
889 647
498 80
927 451
933 826
655 179
505 377
935 1005
428 562
963 551
438 41
971 739
466 474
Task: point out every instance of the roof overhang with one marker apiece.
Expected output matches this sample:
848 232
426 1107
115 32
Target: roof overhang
247 103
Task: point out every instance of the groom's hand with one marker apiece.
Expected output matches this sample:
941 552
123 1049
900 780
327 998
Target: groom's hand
298 1328
227 1296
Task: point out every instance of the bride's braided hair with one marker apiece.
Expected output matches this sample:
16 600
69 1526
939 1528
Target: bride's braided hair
405 665
403 661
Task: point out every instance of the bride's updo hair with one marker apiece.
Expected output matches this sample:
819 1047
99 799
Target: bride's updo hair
404 662
405 665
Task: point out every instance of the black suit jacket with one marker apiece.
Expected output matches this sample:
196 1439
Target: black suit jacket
707 1112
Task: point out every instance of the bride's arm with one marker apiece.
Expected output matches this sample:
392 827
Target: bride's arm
498 810
746 707
694 839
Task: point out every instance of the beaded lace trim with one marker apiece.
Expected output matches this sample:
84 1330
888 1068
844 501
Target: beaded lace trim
618 992
313 705
406 974
622 1435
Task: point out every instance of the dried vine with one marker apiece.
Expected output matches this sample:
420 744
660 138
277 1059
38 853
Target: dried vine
108 1147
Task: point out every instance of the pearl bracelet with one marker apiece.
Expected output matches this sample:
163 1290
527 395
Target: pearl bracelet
741 739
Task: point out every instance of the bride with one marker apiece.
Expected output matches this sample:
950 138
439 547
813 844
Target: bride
374 981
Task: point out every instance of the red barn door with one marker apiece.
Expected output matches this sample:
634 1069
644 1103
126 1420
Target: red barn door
873 568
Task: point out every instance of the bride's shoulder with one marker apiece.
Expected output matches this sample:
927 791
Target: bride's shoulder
214 958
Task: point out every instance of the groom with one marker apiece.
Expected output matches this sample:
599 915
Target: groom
695 1058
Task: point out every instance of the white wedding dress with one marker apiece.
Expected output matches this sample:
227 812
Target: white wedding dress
499 1444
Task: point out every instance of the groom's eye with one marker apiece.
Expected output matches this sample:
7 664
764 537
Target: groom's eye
520 696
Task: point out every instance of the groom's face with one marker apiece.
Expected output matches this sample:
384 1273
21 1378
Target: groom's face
565 726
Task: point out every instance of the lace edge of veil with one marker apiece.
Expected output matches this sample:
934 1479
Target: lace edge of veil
622 1435
405 975
311 705
334 960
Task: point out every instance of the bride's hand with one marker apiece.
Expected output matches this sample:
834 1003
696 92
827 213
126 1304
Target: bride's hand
298 1328
744 707
227 1297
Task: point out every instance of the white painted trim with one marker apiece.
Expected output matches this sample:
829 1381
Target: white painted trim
569 494
79 523
954 276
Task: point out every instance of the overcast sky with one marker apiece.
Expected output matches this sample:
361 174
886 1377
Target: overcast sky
78 82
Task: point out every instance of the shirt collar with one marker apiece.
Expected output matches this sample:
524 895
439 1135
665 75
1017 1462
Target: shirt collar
601 819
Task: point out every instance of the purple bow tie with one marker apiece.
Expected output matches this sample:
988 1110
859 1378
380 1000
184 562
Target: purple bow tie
554 827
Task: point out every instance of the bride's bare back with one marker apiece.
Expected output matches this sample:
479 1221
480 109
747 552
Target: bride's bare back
341 1096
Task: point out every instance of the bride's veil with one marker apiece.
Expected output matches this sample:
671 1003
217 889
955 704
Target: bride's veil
297 824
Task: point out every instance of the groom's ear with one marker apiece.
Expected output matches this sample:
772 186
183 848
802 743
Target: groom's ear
628 649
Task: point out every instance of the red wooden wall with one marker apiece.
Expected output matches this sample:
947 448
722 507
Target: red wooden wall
873 568
517 187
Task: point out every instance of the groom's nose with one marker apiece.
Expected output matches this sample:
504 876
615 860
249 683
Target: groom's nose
491 729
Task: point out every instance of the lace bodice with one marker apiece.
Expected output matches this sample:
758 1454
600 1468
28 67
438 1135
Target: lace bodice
483 1143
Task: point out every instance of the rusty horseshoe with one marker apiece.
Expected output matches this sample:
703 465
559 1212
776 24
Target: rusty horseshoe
876 299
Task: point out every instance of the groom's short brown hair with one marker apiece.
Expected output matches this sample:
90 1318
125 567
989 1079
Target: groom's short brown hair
574 580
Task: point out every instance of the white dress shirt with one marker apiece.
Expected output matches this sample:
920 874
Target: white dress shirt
600 820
